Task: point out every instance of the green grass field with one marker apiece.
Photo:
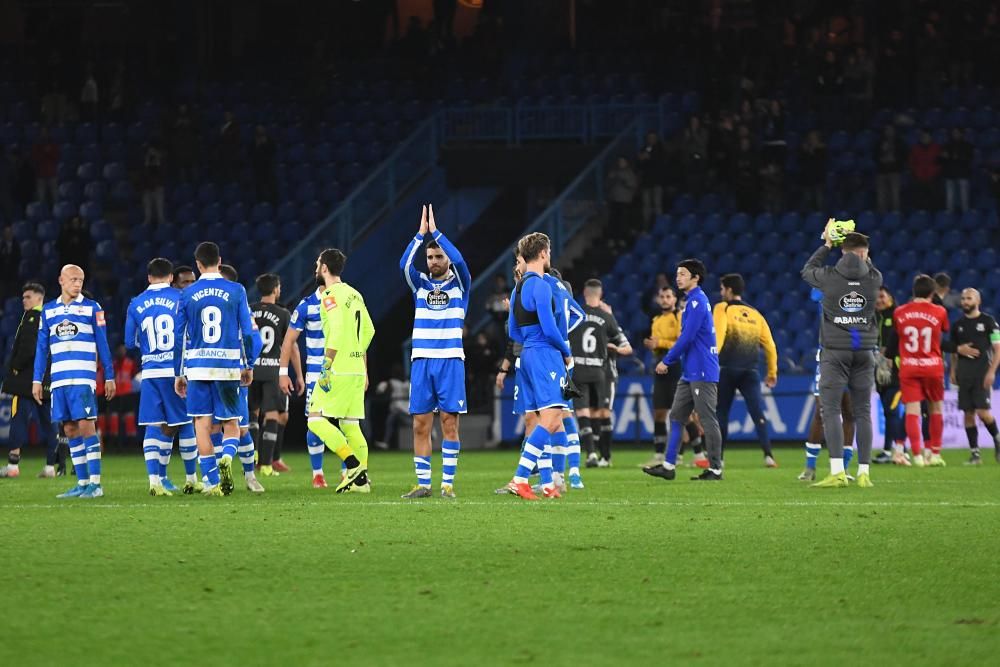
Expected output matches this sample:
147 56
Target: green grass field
632 570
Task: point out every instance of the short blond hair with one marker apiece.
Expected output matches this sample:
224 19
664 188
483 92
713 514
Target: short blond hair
531 246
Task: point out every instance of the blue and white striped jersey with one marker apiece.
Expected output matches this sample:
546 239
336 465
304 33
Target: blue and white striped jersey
76 336
149 327
214 333
306 318
441 305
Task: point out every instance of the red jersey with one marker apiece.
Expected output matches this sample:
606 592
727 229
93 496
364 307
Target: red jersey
919 326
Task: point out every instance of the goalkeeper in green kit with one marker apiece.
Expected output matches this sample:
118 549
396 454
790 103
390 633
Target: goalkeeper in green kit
339 394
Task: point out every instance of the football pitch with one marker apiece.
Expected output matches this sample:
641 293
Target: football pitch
758 569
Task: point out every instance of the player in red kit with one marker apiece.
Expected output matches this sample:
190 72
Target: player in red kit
917 342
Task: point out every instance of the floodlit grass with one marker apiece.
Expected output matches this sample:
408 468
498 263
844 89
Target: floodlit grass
758 569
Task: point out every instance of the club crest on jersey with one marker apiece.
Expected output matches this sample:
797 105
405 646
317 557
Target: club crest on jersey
853 302
438 300
66 330
329 302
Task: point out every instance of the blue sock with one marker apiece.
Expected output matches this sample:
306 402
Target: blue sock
848 455
151 452
217 443
559 441
573 448
676 431
210 469
534 447
812 453
449 460
246 452
93 445
422 466
545 466
230 447
189 451
315 447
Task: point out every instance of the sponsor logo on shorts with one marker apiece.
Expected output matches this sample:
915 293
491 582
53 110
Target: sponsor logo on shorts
66 330
853 302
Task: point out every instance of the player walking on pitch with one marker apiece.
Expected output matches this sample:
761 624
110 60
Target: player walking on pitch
976 337
73 331
149 327
214 350
340 391
848 336
437 374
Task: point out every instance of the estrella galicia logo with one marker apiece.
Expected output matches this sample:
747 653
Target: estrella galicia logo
66 330
438 300
853 302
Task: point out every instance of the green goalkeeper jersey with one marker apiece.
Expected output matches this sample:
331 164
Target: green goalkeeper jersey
347 328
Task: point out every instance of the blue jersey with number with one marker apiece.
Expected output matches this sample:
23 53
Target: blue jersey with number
214 335
306 318
149 327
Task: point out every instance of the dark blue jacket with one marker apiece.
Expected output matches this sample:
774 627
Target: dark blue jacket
696 346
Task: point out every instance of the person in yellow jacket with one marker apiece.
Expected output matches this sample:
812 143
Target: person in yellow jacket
741 332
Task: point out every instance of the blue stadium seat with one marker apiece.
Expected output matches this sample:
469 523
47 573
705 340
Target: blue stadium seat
287 212
312 213
69 191
261 213
23 230
739 223
231 194
952 240
101 230
63 210
744 244
91 210
291 232
750 264
798 241
240 233
799 320
36 212
906 261
207 194
96 191
211 213
106 251
969 278
992 283
236 213
331 193
29 249
185 214
971 220
891 221
986 259
217 231
113 172
305 192
122 193
48 230
683 204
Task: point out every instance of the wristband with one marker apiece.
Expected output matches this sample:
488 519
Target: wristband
502 371
283 371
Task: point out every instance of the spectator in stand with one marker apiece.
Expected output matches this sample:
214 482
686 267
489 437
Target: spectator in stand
620 188
943 295
496 303
746 177
925 170
858 73
812 171
74 244
694 155
651 297
265 175
830 85
889 156
931 53
89 96
772 133
7 176
10 261
772 185
45 159
723 143
152 185
23 188
185 145
894 70
116 103
651 163
229 149
957 167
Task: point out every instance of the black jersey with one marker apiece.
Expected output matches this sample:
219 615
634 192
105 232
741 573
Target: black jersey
589 343
272 321
980 332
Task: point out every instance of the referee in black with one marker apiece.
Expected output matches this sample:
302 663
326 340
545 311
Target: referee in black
976 338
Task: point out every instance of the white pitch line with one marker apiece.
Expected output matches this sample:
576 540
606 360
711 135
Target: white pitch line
497 503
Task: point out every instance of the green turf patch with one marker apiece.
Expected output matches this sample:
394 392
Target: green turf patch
759 569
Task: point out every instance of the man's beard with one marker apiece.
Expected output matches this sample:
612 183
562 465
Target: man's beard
439 275
968 309
319 281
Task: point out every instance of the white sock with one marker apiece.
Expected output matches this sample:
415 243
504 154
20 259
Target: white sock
669 466
574 471
192 479
154 480
250 475
50 470
862 468
836 465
